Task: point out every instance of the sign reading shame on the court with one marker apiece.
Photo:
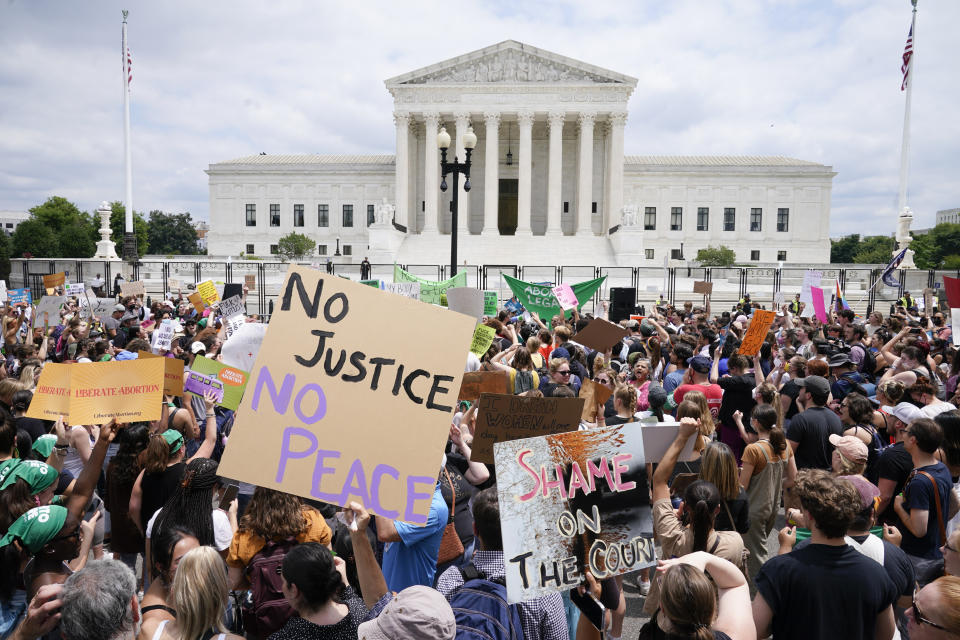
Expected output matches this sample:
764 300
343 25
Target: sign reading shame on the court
338 411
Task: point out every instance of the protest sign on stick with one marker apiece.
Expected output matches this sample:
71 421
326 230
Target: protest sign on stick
130 391
478 382
163 336
593 394
197 300
54 280
819 304
76 289
208 292
18 296
135 288
232 306
756 332
502 417
250 281
311 421
174 284
554 489
811 278
50 305
705 288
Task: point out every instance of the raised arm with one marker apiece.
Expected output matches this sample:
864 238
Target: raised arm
210 435
372 583
661 477
87 482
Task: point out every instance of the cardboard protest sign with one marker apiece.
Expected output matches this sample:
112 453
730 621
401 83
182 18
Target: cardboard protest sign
952 287
811 278
566 297
163 336
174 284
76 289
502 417
17 296
593 393
135 288
234 380
705 288
430 290
202 383
232 306
197 300
479 382
322 385
554 489
102 307
54 280
466 300
51 398
600 335
208 292
130 391
482 339
756 332
172 373
50 305
928 300
490 303
657 438
241 348
250 281
406 289
540 298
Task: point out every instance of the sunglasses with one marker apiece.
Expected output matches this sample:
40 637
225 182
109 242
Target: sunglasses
564 373
918 616
603 381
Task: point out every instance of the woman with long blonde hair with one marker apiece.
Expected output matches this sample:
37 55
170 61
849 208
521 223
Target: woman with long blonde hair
719 466
199 596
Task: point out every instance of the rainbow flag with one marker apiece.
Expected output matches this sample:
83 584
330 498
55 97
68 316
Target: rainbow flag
841 301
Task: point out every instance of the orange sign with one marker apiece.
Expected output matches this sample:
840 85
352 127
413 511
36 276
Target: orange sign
756 332
51 398
129 391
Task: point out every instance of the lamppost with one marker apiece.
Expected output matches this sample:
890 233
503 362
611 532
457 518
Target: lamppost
455 167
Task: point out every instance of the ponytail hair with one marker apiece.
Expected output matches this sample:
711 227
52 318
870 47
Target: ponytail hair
766 416
157 454
688 599
627 395
701 500
767 392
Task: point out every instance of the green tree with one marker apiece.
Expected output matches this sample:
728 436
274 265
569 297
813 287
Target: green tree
716 256
924 252
843 250
172 233
74 230
76 241
4 257
118 214
875 250
34 237
294 246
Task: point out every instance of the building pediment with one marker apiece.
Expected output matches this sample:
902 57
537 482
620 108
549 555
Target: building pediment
511 62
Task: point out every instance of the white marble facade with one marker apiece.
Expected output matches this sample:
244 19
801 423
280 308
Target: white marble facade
562 122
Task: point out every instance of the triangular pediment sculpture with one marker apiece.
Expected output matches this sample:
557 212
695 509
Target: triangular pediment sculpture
510 62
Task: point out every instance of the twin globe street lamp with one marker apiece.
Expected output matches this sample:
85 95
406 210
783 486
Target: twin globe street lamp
456 168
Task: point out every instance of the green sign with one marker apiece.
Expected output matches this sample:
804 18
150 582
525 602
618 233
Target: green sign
540 298
372 283
482 339
431 290
234 380
489 303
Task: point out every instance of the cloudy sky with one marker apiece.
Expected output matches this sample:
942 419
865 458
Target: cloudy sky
811 79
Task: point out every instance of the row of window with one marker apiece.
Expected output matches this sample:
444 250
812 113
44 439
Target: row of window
703 219
345 249
323 215
675 254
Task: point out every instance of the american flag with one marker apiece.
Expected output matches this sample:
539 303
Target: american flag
129 68
907 54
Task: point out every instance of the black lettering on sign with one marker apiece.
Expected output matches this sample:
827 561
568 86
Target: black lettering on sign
522 559
344 308
323 335
356 360
377 363
408 384
311 307
435 389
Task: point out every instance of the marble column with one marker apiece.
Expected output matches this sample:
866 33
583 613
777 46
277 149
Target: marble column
585 175
491 173
524 172
555 172
613 199
462 121
431 167
401 194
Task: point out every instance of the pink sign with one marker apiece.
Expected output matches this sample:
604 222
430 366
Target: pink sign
565 296
818 307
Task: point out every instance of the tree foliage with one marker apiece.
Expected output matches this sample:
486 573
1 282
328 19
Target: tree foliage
294 246
939 248
855 249
34 237
843 250
118 214
172 233
716 256
55 229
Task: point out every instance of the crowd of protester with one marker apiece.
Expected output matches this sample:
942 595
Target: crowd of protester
848 431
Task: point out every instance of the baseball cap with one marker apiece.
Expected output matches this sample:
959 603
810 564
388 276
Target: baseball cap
560 352
851 447
633 324
867 490
700 364
119 307
415 612
656 396
646 330
816 384
905 412
198 347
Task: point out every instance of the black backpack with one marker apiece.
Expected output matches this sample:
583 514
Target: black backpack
868 366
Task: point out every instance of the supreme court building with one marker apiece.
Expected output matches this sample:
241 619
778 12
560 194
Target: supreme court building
551 183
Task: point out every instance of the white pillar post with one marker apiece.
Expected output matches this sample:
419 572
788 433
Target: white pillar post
461 122
491 173
555 172
402 168
614 195
525 171
431 169
585 176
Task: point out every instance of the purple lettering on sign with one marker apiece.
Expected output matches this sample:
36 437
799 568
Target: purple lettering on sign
281 399
286 452
380 471
355 475
413 495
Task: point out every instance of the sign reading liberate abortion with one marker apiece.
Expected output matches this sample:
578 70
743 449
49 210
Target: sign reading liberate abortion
571 502
338 411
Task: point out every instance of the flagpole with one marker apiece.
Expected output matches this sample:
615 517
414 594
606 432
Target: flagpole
129 241
902 210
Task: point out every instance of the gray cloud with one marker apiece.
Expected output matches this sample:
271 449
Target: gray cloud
214 80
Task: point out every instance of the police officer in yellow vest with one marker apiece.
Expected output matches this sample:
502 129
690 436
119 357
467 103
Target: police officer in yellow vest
795 305
907 301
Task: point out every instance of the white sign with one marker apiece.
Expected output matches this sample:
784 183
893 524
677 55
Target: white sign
240 350
75 289
163 336
50 305
232 306
233 323
955 325
466 300
405 289
3 290
778 299
811 278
